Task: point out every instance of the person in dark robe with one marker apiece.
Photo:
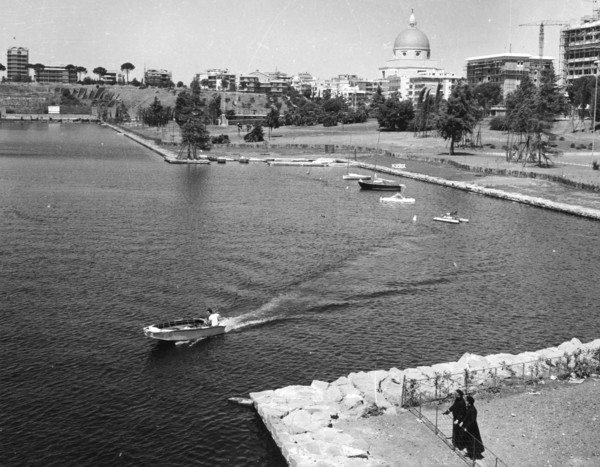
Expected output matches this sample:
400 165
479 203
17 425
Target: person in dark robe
458 409
473 441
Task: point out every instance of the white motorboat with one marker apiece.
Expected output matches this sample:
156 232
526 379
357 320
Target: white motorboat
397 198
183 330
352 176
450 218
398 166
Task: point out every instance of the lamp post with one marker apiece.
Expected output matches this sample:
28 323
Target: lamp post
594 119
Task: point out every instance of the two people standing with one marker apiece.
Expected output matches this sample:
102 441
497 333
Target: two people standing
465 431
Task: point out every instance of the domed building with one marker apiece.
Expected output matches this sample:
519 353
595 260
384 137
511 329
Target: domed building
411 68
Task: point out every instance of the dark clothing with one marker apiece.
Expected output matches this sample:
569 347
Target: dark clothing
473 441
458 409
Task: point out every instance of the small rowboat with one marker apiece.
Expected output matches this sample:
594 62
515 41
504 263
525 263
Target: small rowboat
397 198
183 330
450 218
351 176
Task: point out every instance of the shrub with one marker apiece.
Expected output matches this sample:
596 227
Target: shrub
221 139
562 138
498 124
595 165
572 145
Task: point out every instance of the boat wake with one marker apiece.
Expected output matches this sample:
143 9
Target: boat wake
268 312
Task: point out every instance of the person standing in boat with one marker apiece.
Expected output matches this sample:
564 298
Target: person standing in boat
458 409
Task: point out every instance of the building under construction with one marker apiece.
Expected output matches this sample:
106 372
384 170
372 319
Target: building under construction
506 70
580 48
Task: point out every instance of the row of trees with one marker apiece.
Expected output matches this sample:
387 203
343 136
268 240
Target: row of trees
530 111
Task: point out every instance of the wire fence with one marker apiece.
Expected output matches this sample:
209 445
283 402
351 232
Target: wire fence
425 397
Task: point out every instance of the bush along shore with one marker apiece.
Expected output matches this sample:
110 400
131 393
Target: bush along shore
300 418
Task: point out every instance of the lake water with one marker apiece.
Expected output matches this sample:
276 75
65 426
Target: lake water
100 237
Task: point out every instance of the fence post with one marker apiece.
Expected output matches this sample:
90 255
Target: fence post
437 406
403 398
420 404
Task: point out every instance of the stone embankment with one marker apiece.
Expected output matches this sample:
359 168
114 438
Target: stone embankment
316 425
474 188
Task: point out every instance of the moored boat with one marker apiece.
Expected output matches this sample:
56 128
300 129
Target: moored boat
352 176
381 184
450 218
397 198
183 330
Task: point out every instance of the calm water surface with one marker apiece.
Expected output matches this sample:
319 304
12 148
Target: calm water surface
100 237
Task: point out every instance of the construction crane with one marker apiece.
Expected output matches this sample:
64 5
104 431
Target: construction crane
541 24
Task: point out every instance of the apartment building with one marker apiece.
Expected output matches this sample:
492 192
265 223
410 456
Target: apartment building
56 74
17 59
153 77
506 69
580 48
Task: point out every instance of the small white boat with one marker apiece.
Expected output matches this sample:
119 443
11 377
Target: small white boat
398 166
397 198
450 218
183 330
351 176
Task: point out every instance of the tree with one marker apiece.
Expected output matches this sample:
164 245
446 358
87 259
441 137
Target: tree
272 120
80 71
194 136
127 67
458 115
214 108
100 71
376 101
487 95
530 112
255 135
395 115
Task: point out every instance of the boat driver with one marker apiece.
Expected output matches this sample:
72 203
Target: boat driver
213 318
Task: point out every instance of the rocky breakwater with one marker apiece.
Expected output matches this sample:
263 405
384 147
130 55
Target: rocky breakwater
306 421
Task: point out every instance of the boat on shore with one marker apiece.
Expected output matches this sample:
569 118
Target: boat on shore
381 184
398 198
183 330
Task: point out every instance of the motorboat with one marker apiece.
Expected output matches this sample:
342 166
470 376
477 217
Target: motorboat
183 330
398 166
381 184
352 176
450 218
244 160
397 198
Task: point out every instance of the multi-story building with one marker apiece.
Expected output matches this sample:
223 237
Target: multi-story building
17 59
113 77
56 74
160 78
217 79
411 69
580 48
507 69
247 83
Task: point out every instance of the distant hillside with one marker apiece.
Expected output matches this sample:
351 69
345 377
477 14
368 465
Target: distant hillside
33 98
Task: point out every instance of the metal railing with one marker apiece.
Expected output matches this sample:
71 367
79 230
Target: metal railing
424 397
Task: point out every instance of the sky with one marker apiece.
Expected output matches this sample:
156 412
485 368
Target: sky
322 37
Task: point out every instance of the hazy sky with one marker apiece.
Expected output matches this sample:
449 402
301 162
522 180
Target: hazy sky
322 37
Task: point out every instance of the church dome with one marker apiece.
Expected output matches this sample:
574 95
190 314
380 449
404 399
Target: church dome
411 39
